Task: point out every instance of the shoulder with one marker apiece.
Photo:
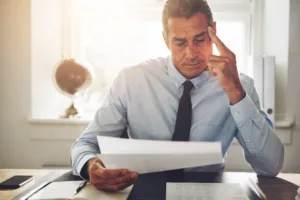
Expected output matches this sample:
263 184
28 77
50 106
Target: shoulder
149 66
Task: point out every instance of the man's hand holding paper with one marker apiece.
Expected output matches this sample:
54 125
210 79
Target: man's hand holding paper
109 179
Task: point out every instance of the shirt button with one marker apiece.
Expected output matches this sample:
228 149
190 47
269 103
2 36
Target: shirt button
236 113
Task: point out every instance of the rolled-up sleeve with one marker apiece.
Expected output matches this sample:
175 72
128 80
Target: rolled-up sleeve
255 132
109 120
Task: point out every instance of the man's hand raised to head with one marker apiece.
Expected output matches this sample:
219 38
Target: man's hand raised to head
224 67
109 179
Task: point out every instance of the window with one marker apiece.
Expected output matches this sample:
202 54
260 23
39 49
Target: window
110 35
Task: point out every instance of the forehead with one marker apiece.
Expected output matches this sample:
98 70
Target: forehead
187 27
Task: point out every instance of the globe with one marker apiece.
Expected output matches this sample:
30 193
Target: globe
71 79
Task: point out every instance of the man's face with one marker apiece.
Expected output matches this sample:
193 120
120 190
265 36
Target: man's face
189 43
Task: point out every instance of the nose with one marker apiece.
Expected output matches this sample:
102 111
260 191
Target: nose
190 51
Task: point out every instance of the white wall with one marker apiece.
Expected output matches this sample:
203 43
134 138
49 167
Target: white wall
275 42
18 150
293 82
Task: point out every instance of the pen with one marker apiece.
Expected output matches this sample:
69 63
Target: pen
257 189
80 187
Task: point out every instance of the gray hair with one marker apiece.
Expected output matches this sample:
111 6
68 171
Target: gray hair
186 9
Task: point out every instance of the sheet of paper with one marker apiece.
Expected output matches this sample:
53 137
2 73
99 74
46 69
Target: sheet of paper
65 190
205 191
114 145
92 193
145 156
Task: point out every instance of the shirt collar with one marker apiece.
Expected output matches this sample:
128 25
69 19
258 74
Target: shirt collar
178 79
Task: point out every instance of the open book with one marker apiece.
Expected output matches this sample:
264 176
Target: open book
65 191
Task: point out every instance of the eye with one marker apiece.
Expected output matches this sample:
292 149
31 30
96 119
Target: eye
198 41
180 44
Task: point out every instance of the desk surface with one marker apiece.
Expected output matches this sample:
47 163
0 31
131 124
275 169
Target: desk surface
7 173
269 186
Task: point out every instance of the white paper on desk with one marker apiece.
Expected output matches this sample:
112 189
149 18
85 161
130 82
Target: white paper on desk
145 156
65 191
205 191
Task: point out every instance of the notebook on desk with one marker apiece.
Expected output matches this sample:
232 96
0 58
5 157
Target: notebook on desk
65 191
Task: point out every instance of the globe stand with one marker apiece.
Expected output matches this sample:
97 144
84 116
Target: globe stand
70 112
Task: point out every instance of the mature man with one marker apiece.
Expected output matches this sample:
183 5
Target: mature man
191 95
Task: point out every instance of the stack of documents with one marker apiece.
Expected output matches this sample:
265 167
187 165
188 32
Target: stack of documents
205 191
146 156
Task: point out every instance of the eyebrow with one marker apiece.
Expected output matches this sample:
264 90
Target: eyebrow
178 39
200 34
183 39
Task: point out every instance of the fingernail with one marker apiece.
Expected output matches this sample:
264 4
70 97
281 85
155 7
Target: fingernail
134 175
125 172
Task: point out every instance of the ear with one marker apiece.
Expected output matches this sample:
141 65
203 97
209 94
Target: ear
166 39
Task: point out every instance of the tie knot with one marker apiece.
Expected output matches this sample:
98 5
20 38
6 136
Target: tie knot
188 86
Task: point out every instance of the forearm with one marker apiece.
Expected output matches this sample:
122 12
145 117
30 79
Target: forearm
86 146
263 149
83 150
268 159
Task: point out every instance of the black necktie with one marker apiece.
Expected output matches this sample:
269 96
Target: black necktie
184 115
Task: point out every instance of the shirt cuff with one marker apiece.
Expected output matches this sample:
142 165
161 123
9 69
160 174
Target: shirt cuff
243 110
82 162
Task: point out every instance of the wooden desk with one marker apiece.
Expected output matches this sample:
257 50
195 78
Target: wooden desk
229 176
7 173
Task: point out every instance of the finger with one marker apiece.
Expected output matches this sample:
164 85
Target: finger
215 63
134 175
96 164
218 70
94 172
97 180
120 186
127 178
111 181
95 177
100 186
219 58
128 184
220 45
214 66
229 62
124 179
96 168
116 187
113 173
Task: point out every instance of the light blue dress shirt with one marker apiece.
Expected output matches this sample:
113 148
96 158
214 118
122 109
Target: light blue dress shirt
145 99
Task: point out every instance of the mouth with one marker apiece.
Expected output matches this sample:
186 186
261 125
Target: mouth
194 65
